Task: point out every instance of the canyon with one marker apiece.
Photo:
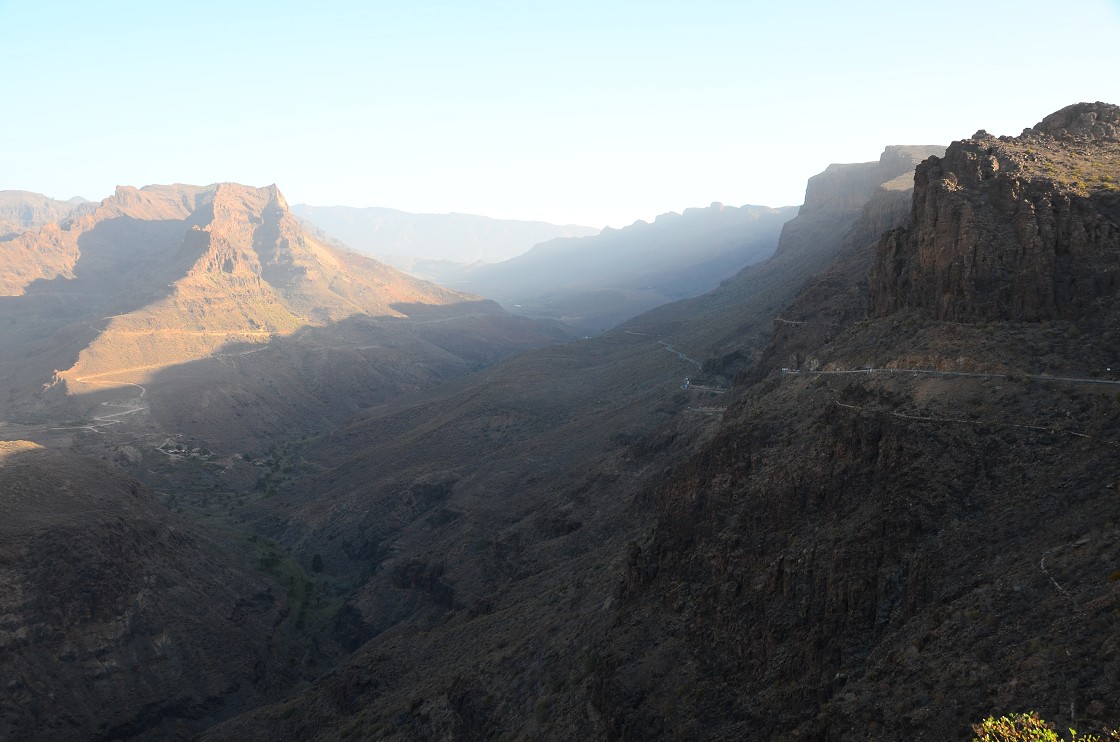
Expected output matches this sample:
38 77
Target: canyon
865 487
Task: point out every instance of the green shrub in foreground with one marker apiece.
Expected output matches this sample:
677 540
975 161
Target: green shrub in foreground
1029 727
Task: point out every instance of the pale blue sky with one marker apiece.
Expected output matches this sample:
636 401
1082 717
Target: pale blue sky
587 112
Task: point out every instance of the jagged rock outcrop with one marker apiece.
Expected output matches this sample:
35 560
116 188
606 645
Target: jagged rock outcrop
1093 120
1024 228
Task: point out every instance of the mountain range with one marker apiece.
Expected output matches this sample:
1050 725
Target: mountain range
175 292
20 210
589 282
594 283
866 488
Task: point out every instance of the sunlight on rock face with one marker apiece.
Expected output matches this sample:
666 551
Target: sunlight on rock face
11 448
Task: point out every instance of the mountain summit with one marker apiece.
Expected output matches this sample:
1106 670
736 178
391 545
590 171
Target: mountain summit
164 276
1013 228
168 274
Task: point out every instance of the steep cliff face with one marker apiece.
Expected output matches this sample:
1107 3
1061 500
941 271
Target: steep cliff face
838 295
1023 228
730 324
858 558
848 187
894 555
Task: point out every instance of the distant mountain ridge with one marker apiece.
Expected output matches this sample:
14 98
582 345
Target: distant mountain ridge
593 283
849 202
418 242
20 210
227 262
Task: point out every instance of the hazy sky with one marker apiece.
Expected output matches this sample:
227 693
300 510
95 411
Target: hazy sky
574 112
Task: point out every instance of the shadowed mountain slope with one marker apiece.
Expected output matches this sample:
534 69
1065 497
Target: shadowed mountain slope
485 513
900 553
118 621
815 556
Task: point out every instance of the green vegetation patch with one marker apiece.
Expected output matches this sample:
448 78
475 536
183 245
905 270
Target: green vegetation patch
1029 727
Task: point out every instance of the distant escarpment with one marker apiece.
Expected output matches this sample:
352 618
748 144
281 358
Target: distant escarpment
20 210
848 204
593 283
838 295
1012 228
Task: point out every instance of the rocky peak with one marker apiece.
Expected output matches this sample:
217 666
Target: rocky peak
242 228
234 198
1091 120
1019 228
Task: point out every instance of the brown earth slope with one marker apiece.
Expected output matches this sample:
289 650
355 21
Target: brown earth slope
117 621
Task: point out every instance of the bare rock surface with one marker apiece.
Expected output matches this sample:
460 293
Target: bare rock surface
1024 228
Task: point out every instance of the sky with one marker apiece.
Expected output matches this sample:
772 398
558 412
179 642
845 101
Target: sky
594 113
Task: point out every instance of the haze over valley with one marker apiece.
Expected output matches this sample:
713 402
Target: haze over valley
621 373
431 517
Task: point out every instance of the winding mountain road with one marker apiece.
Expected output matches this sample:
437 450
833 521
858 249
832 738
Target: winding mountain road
960 375
130 406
